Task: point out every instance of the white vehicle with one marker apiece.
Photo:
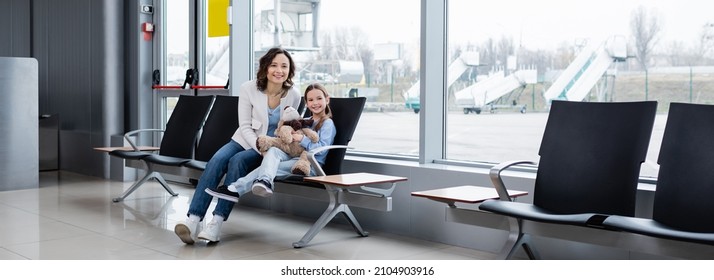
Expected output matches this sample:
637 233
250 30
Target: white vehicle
481 95
587 68
456 68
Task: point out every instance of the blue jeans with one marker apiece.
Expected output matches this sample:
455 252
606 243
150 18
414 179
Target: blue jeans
275 163
231 160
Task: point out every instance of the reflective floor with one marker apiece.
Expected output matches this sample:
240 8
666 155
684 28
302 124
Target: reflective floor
72 217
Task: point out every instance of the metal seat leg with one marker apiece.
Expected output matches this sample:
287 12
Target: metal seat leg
333 208
150 173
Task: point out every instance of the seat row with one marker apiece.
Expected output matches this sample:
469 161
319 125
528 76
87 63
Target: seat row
587 177
213 118
186 127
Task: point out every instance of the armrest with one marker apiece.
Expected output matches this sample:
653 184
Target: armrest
130 133
495 175
313 161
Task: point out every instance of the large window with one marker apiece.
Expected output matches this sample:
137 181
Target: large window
387 45
360 48
176 41
188 43
211 51
216 52
176 45
513 57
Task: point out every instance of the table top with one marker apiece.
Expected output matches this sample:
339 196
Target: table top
465 194
141 148
355 179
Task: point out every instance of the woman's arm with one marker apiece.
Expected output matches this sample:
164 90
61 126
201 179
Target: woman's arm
247 98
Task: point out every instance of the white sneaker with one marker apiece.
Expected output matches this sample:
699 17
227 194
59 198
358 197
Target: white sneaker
185 231
211 232
262 188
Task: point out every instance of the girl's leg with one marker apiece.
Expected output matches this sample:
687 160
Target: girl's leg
272 162
284 168
263 186
243 185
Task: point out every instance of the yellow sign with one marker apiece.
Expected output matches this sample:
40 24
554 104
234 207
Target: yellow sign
218 18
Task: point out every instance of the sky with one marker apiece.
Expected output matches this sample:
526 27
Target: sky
543 24
537 24
534 25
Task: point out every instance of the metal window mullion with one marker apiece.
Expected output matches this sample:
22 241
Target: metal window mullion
201 37
241 44
194 34
160 63
433 79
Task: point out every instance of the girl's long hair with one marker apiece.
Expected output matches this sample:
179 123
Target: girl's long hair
328 110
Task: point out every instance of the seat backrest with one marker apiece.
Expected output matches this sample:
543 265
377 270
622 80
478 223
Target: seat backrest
685 184
184 123
346 112
220 125
590 156
301 108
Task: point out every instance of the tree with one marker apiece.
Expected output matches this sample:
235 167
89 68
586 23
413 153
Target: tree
344 43
540 59
565 54
704 45
676 53
348 44
495 54
505 48
488 54
645 28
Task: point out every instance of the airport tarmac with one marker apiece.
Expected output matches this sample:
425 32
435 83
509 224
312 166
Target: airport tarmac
487 137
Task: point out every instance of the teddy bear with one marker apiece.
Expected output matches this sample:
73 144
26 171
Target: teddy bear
290 121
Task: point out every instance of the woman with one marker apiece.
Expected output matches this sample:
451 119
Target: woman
278 163
258 114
